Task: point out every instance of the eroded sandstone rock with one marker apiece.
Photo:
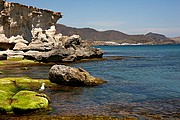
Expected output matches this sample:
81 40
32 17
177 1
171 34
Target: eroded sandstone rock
25 22
32 30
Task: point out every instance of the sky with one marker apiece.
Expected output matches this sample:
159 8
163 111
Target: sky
128 16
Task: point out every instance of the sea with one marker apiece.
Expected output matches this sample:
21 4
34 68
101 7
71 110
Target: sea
144 84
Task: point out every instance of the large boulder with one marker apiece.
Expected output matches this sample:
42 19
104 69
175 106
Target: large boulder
65 75
28 101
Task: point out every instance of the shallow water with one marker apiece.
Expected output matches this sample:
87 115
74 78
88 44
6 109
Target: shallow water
146 85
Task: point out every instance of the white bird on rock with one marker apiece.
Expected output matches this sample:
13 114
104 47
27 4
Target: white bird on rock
42 87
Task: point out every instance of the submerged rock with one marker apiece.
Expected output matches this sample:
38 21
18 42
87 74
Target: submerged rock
65 75
28 101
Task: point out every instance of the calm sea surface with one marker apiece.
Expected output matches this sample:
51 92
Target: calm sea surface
149 82
145 84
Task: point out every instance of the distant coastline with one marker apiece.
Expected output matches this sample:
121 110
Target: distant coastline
111 43
112 37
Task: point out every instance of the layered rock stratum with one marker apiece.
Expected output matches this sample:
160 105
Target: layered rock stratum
32 30
19 22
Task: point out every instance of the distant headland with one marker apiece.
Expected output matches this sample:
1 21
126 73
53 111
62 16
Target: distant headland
112 37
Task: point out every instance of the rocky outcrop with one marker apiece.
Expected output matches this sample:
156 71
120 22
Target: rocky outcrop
32 30
65 75
20 24
69 49
25 21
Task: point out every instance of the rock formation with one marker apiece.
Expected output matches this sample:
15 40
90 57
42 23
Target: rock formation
32 30
65 75
26 21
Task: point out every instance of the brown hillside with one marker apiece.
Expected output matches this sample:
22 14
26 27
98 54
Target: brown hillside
112 35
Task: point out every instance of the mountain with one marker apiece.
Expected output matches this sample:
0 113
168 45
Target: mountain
113 36
91 34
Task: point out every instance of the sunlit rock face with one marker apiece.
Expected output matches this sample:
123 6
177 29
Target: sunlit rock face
26 21
32 31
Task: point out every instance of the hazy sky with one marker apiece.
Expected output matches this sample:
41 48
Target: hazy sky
128 16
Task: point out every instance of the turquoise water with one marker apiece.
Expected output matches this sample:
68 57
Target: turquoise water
149 80
146 82
153 75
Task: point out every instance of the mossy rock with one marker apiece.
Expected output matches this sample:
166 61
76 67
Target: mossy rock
7 86
28 101
5 102
23 83
10 86
15 86
21 60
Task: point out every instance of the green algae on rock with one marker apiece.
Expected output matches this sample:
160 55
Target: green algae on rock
28 101
15 95
5 102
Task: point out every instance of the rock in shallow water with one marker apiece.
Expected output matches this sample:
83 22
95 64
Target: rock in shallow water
16 97
28 101
65 75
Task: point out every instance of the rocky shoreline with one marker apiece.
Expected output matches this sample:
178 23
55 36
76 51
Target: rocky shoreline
29 33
